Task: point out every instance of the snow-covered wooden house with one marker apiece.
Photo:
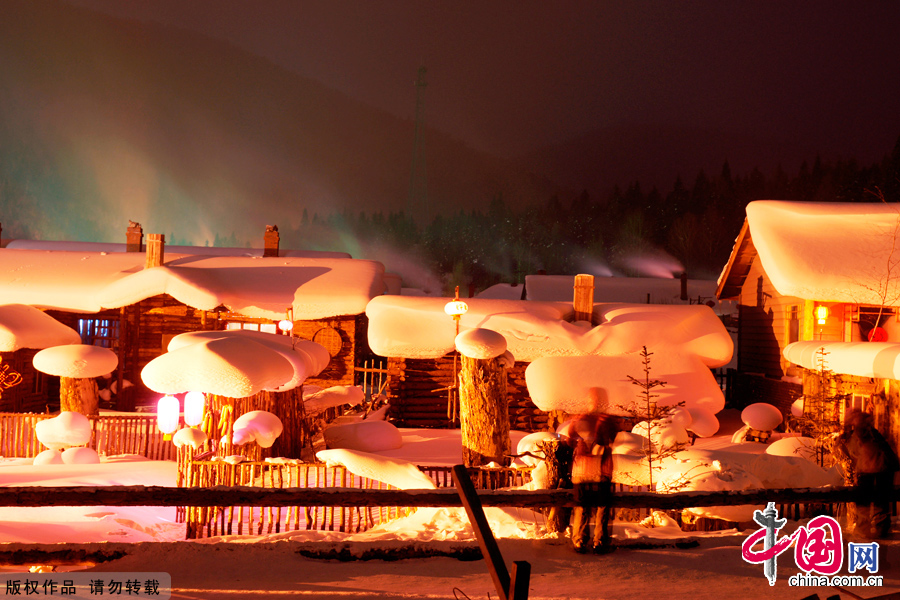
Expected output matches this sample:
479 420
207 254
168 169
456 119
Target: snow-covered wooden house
135 302
580 360
811 273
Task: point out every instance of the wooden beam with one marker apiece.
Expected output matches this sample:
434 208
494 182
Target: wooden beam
489 548
122 495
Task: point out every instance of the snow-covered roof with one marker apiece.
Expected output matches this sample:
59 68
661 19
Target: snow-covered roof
193 250
83 281
828 251
23 326
417 327
880 360
636 290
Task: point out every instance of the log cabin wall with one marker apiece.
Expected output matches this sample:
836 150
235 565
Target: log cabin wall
768 322
138 333
36 392
143 332
419 395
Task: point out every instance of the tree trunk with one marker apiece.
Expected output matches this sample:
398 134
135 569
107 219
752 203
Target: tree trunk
79 395
483 412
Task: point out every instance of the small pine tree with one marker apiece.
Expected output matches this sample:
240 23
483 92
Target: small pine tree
646 409
821 410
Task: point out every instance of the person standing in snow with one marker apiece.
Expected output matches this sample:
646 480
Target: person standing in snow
592 435
874 464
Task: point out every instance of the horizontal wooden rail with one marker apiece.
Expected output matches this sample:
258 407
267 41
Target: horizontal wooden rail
337 496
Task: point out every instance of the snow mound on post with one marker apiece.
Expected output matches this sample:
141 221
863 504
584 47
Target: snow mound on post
480 344
401 474
762 416
23 326
258 426
76 361
65 429
230 367
189 436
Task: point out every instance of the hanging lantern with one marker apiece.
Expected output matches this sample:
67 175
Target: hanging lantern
167 412
285 325
456 308
193 408
821 314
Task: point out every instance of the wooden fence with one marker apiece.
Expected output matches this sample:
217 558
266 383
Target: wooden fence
110 435
208 521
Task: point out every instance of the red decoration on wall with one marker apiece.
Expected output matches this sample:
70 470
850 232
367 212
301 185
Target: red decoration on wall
878 334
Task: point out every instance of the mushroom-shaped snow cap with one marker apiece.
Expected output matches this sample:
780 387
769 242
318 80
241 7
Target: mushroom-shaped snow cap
78 361
230 367
258 426
762 416
480 343
23 326
308 358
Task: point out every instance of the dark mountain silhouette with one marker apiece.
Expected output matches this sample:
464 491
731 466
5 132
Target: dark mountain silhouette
102 120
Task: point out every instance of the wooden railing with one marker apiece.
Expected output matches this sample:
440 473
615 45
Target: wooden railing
110 435
206 521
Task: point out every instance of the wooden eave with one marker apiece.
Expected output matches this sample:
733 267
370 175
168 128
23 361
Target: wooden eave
738 266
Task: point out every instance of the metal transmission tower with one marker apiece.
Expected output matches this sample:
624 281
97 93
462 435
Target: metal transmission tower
417 199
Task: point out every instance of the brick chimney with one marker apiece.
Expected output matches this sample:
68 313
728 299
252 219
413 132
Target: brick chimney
156 248
271 241
134 237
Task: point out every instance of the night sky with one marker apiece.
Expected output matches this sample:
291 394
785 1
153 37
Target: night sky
208 117
508 77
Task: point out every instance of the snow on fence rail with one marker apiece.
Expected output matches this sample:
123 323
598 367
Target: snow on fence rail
110 435
208 521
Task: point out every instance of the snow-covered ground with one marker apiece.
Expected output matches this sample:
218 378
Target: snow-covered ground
293 563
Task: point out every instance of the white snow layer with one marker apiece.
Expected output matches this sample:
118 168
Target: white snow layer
880 360
24 326
76 361
579 384
827 251
399 473
417 327
230 367
370 435
315 288
338 395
